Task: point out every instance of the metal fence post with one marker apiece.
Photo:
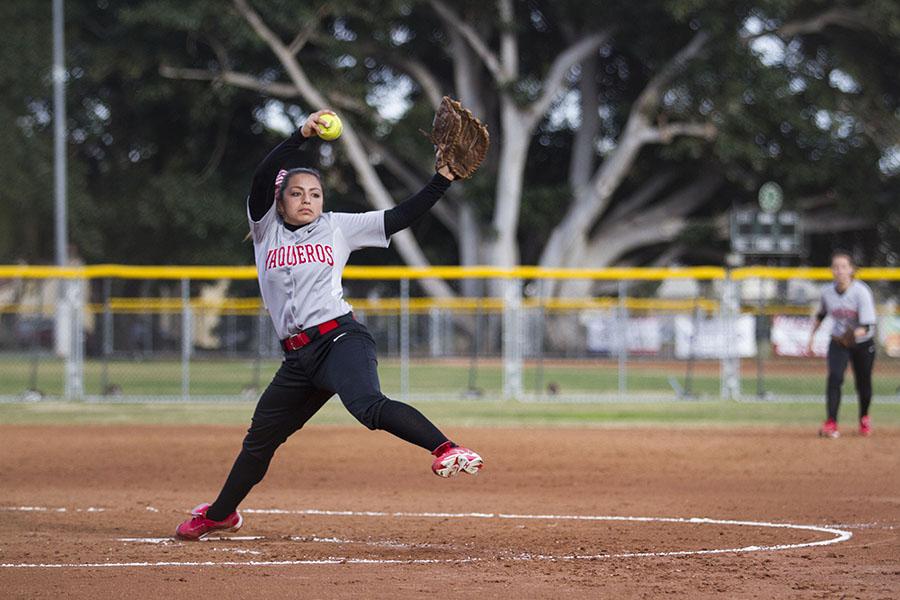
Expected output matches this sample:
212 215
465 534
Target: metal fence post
186 338
512 339
74 300
623 339
107 342
730 382
541 326
404 340
435 332
760 321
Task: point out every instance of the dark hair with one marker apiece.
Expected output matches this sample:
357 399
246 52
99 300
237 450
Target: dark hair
845 253
279 193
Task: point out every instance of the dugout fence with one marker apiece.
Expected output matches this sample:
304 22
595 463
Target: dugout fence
127 333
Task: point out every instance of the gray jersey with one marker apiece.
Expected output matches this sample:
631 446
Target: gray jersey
853 308
300 271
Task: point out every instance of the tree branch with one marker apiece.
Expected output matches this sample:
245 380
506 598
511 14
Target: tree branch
573 55
303 36
241 80
831 221
662 223
266 88
646 193
431 87
509 42
685 200
838 16
480 47
650 96
664 134
414 67
818 222
219 151
220 52
569 236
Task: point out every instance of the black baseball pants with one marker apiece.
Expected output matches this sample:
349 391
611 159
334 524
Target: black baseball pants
862 359
342 361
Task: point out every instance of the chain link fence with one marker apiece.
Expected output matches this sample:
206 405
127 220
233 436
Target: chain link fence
165 333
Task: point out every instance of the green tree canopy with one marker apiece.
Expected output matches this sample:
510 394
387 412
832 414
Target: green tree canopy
622 131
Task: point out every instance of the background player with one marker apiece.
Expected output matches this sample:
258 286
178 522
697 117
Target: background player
300 256
852 307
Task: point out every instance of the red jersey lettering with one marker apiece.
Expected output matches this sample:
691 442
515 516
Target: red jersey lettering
299 254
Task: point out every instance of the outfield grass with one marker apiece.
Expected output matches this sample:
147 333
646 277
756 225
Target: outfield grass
482 413
237 377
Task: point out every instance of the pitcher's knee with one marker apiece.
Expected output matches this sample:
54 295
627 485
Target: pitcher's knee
367 409
262 440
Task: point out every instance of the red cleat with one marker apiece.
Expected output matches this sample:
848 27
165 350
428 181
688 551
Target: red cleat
451 460
865 426
829 429
198 526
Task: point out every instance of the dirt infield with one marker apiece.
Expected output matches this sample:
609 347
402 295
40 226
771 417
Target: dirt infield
347 513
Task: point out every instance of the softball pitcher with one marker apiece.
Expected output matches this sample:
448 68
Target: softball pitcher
300 256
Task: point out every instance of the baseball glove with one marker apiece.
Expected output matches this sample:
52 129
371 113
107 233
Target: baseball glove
461 141
846 339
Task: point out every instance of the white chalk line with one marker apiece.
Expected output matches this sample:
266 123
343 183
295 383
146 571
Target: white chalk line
839 536
294 538
89 509
165 540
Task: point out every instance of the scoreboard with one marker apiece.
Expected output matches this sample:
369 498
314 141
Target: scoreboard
769 233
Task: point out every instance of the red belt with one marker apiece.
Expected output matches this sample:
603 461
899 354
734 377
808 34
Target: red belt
297 341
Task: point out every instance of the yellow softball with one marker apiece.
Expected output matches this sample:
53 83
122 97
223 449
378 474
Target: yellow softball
332 129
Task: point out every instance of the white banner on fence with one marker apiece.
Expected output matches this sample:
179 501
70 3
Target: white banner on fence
791 334
711 338
889 335
605 331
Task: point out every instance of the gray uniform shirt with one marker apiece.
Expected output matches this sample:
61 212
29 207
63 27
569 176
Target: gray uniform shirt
300 271
853 308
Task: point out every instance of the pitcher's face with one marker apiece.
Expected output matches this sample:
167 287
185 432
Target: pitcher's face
302 200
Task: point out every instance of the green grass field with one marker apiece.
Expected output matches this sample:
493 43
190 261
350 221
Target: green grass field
460 413
452 378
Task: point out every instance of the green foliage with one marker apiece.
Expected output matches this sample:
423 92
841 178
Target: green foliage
159 168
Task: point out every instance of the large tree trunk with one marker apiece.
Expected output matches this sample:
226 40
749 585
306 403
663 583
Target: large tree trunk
508 196
566 244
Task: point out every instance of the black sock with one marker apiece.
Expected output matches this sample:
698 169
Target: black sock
410 425
246 472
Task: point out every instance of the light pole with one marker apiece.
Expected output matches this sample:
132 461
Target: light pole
68 326
59 134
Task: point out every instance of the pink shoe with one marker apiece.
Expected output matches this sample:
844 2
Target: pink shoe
865 426
829 429
198 526
450 460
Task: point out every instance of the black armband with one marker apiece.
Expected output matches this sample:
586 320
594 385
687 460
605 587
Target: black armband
410 210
